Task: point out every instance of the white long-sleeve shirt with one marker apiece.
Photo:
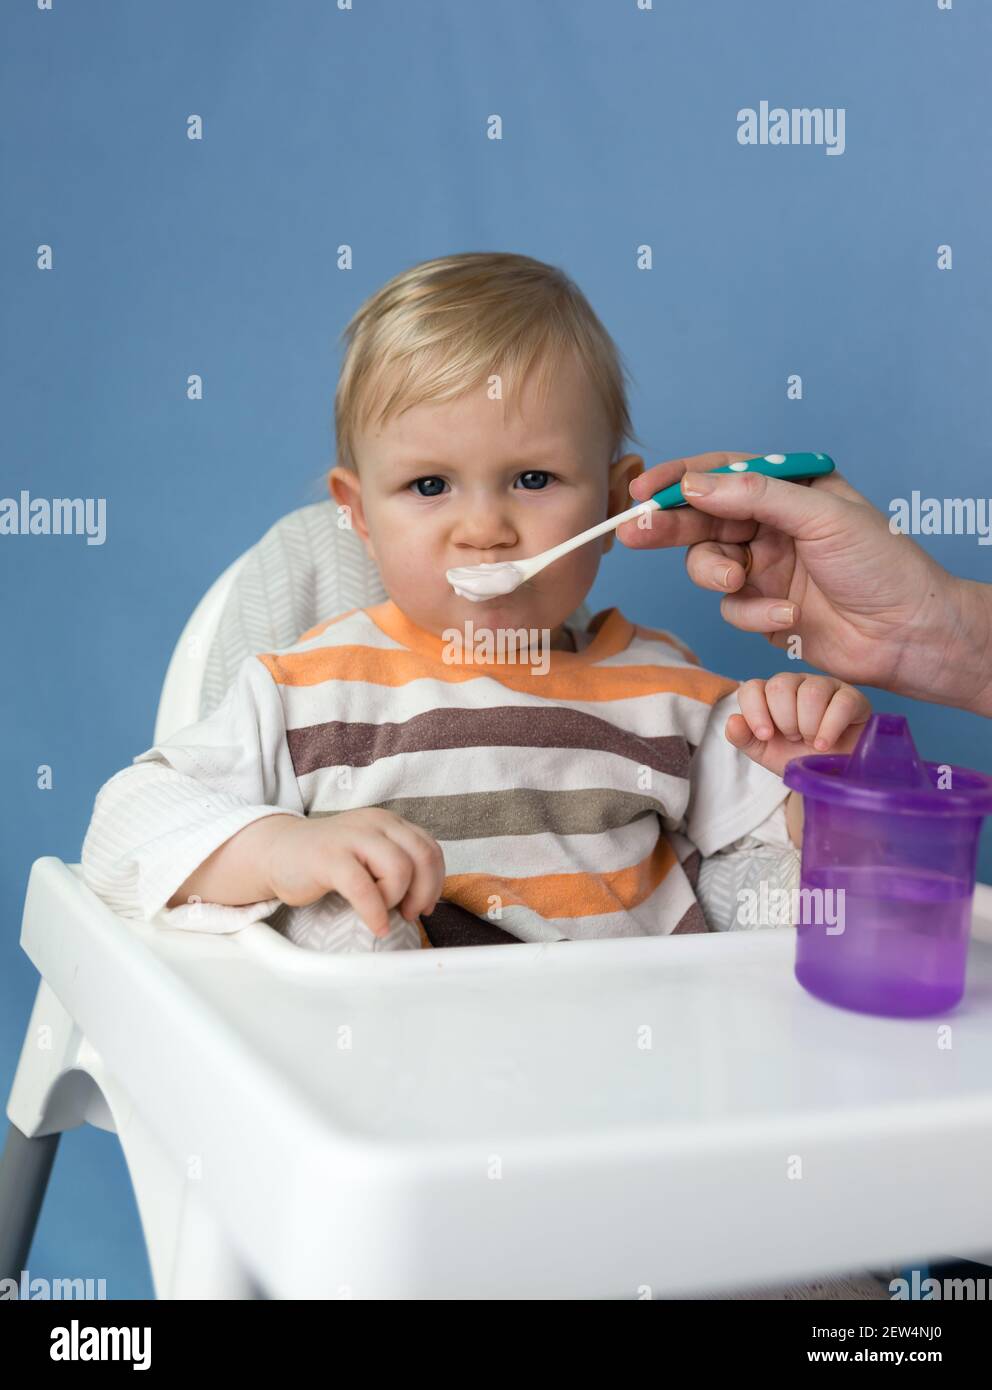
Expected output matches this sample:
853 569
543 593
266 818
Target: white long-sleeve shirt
597 796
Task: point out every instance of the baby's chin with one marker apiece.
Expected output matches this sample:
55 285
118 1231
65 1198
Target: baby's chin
515 610
518 609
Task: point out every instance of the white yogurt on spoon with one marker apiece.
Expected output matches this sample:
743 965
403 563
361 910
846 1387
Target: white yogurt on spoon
478 582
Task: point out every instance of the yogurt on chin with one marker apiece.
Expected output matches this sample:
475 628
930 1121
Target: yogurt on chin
478 582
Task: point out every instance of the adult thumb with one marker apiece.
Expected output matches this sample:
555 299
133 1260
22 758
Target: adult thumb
805 513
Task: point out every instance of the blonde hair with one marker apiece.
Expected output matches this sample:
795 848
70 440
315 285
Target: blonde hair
445 326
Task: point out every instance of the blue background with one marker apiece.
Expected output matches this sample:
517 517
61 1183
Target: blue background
369 127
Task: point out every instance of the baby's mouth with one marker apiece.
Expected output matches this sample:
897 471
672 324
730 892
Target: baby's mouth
482 583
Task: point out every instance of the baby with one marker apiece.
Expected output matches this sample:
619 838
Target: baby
432 771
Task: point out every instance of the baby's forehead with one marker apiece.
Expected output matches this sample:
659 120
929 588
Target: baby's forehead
531 428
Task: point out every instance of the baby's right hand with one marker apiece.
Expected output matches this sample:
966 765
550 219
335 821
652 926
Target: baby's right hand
373 858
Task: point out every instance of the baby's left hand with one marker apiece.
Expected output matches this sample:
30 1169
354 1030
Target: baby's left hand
792 714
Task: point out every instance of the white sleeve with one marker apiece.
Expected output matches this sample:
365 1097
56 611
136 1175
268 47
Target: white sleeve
729 794
766 855
154 822
241 748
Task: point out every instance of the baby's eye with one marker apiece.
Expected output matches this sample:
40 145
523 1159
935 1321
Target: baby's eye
535 479
432 490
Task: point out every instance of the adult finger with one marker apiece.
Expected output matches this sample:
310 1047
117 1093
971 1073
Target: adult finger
805 513
715 565
753 612
656 530
662 475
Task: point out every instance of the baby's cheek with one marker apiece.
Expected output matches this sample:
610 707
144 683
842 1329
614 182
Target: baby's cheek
409 575
579 568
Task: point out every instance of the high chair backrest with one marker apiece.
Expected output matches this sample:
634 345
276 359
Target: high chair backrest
305 568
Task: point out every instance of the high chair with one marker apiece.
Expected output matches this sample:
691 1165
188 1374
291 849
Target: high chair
637 1117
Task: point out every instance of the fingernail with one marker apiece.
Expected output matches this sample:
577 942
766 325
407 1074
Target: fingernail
820 743
783 613
726 577
697 484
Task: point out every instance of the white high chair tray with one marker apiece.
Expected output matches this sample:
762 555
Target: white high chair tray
586 1119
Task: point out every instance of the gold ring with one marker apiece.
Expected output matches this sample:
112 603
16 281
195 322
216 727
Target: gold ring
748 559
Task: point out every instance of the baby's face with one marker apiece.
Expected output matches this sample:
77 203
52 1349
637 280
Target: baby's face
471 481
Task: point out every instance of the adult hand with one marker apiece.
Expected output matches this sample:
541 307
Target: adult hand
869 606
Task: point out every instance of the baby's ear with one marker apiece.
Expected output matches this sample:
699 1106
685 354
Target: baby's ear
343 484
621 474
346 490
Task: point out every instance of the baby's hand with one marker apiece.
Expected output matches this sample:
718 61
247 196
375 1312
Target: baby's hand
791 714
373 858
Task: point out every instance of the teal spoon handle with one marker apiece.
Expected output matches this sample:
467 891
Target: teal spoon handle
794 467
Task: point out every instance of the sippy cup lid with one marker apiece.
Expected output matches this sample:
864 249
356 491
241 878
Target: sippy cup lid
885 773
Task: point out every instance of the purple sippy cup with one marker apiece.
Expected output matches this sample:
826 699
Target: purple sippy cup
888 873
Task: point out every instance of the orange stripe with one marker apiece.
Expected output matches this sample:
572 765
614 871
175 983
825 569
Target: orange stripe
611 633
395 668
565 895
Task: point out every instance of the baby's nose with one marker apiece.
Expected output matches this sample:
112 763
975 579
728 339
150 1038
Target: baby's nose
484 528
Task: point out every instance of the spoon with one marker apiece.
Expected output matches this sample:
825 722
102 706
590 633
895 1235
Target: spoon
479 582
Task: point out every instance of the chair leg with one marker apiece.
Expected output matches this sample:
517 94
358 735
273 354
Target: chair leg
25 1167
62 1082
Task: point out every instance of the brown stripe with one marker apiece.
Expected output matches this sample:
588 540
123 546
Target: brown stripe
520 811
451 925
351 744
690 867
692 920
